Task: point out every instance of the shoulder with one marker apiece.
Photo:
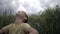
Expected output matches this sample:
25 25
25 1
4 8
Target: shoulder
25 24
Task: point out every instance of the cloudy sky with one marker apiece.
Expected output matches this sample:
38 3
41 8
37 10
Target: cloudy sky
29 6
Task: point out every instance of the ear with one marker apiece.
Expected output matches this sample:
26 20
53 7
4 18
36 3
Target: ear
25 18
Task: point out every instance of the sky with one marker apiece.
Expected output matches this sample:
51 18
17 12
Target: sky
29 6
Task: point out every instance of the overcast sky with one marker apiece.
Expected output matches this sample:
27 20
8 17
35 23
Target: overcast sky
29 6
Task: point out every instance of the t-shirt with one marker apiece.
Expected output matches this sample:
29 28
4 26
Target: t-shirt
17 28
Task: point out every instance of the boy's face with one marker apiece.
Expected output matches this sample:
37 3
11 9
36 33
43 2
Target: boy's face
21 16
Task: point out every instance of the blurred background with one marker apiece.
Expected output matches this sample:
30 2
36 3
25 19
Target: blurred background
44 15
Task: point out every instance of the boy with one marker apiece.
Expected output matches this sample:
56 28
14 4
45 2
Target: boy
20 26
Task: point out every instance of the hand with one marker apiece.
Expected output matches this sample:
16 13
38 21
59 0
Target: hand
1 31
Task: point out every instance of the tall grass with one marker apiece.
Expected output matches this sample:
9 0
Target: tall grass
46 23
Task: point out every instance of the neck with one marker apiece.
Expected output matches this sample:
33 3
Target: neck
18 21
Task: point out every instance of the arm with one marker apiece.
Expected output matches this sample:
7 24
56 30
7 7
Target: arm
1 31
32 31
4 29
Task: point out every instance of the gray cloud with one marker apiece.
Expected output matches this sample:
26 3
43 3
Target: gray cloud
31 8
50 3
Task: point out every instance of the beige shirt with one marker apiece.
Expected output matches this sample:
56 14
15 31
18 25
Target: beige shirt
17 28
